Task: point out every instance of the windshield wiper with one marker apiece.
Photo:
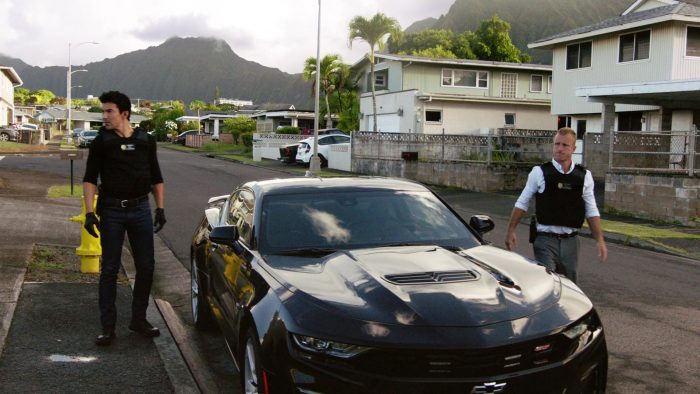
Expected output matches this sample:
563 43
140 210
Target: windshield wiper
311 252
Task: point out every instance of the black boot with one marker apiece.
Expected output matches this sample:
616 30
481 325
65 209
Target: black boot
106 338
144 328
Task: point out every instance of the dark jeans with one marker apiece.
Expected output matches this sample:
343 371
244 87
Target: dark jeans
137 223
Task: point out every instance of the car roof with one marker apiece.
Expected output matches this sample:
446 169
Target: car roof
309 185
324 136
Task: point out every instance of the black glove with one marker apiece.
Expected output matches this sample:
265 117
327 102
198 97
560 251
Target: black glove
91 223
159 220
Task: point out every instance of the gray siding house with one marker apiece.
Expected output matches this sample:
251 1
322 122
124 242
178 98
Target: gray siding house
454 96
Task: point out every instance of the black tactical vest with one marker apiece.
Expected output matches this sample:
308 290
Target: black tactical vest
126 171
561 203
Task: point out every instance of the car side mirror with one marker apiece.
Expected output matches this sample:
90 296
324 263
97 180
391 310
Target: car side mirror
481 223
225 235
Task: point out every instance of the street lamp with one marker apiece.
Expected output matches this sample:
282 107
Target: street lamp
68 87
315 163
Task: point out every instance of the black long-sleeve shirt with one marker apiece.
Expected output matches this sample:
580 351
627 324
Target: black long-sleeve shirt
127 167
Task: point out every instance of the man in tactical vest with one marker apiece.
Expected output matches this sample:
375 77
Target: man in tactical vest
563 199
125 161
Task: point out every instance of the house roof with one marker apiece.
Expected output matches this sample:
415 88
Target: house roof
688 10
455 62
56 114
11 75
669 94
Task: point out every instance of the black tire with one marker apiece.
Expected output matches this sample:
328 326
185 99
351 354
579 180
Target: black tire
251 373
4 137
324 162
201 312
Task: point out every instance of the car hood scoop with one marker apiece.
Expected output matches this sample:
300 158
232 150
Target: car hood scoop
423 285
422 278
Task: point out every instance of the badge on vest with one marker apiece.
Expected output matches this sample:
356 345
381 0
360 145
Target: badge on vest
128 147
564 186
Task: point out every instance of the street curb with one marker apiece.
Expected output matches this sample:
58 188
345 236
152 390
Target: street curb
179 373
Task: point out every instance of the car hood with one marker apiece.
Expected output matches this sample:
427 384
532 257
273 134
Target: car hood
422 285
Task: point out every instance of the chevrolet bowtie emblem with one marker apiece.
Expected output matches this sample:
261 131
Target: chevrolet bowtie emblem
488 388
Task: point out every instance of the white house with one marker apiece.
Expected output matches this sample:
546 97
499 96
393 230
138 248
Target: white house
458 96
639 71
9 80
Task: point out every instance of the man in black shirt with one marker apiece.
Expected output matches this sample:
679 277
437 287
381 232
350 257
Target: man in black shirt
125 161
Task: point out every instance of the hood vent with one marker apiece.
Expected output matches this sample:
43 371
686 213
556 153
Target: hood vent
420 278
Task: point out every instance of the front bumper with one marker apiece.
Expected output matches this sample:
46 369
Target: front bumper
585 372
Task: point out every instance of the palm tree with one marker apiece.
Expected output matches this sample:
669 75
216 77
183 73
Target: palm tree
373 32
331 67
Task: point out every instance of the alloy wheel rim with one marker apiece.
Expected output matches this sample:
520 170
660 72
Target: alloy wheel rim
195 290
4 137
250 374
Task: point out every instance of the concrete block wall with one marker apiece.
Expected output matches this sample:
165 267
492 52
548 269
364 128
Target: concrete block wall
470 176
670 198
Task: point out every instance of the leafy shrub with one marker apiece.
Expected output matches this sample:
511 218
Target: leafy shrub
247 139
288 130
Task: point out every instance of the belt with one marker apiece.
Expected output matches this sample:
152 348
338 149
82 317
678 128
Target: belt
129 203
560 236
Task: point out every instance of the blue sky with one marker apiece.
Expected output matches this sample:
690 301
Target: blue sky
274 33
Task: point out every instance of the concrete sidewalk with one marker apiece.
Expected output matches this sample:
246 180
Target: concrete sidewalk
47 329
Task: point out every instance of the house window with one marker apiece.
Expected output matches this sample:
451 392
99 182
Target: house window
379 80
509 85
433 116
578 55
510 120
549 84
563 121
634 46
580 129
692 44
465 78
536 83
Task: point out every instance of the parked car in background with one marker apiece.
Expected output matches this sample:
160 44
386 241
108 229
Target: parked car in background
85 138
306 150
322 131
9 134
182 137
24 126
288 153
376 285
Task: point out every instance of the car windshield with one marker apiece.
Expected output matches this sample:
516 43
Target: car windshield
292 223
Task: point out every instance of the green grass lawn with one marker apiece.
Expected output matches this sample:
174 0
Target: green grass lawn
62 191
18 147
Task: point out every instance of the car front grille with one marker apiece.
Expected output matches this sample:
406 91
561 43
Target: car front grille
463 363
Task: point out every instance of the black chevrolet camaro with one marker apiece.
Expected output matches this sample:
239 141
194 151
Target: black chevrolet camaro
359 285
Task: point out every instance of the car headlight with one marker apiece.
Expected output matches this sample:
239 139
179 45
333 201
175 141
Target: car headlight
583 333
326 347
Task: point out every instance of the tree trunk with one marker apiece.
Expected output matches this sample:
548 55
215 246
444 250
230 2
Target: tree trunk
329 121
374 97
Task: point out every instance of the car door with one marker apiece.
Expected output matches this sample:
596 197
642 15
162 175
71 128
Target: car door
232 264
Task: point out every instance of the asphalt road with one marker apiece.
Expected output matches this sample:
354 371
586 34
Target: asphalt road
647 301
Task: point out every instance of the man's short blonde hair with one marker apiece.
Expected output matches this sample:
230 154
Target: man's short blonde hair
567 131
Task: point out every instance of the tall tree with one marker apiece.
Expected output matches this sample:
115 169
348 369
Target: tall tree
197 105
331 66
494 43
373 31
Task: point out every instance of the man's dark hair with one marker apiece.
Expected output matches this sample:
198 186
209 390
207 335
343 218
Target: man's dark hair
119 99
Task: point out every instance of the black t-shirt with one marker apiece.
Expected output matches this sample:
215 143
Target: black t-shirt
127 167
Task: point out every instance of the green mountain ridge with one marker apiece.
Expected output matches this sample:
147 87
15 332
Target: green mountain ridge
180 68
530 20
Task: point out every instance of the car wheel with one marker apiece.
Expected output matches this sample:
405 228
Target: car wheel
252 373
4 137
201 312
324 162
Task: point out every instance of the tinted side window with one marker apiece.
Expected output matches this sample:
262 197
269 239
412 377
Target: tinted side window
240 213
